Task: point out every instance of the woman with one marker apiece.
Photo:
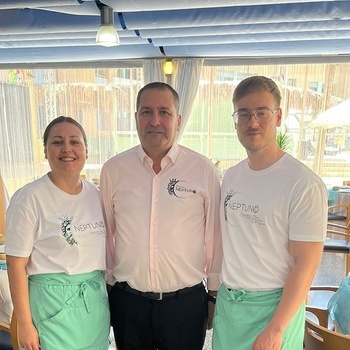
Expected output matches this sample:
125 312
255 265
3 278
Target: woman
55 235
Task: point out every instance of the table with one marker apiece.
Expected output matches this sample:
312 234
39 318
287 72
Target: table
6 306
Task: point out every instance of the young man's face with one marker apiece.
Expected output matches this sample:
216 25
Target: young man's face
255 136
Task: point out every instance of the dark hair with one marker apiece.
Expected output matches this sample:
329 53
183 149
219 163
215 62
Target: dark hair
59 120
254 84
159 86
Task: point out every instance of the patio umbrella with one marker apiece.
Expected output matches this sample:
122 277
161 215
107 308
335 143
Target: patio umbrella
336 116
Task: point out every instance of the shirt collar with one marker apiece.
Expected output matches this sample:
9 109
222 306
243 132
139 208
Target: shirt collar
172 154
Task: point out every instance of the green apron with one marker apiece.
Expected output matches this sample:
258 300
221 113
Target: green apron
70 312
240 316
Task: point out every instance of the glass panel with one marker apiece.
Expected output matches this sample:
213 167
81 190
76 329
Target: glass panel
102 100
307 90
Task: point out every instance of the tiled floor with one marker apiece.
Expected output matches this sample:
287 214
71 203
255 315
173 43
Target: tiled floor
111 338
331 271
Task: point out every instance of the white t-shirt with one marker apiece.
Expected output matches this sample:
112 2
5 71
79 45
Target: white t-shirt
59 232
260 212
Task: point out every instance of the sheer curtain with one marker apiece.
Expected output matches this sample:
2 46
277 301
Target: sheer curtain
153 71
185 80
17 158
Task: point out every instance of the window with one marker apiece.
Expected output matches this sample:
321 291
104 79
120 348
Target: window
103 100
307 90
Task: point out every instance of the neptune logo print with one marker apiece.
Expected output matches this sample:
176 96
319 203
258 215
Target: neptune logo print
171 187
239 208
179 191
229 195
66 228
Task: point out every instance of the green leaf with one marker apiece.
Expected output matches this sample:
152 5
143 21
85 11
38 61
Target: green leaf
284 140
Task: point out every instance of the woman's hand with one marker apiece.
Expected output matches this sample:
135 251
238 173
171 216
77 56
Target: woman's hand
28 337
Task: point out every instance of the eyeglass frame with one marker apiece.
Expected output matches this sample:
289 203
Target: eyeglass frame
254 114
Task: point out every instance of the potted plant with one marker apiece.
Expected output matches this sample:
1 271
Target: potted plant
284 140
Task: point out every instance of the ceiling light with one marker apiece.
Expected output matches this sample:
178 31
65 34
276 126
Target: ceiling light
168 68
107 34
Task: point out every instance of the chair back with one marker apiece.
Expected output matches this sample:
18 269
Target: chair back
320 338
338 232
339 219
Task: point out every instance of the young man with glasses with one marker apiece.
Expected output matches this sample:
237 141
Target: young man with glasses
273 218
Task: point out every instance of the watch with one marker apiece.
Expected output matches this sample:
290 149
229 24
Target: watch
212 298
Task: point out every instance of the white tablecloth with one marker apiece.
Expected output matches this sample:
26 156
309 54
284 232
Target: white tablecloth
6 307
343 197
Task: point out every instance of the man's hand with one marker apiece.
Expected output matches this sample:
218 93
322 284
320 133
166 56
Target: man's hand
211 308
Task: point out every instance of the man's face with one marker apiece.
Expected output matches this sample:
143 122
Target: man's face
254 136
157 121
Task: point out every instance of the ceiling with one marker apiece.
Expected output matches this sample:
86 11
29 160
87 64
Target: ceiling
61 31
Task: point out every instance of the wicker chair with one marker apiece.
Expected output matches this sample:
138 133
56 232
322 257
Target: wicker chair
338 232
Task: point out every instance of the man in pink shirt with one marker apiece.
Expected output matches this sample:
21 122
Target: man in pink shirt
161 204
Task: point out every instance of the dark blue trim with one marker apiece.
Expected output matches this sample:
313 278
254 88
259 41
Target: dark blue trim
121 20
161 48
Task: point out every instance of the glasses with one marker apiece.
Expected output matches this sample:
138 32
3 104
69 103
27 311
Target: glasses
261 115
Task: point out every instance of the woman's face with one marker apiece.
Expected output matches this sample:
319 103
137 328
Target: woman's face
65 149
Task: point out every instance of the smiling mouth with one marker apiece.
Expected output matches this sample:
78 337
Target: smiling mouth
153 132
67 159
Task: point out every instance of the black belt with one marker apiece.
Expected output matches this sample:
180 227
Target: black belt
160 295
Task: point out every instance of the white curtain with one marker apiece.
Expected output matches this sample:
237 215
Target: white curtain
185 80
153 71
17 157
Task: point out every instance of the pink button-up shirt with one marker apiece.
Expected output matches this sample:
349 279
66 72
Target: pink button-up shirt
163 230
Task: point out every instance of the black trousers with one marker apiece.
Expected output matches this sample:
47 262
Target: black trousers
178 322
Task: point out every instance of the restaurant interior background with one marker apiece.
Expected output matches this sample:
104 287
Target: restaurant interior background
50 65
103 101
